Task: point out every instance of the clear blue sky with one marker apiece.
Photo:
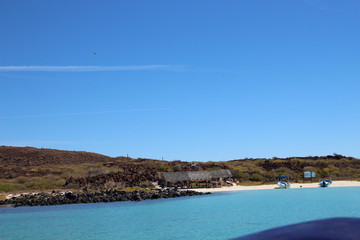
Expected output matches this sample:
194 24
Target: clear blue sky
189 80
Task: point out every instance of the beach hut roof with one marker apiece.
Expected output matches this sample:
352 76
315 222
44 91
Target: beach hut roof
221 174
196 175
176 176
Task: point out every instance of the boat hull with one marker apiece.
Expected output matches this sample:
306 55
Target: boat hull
325 183
283 185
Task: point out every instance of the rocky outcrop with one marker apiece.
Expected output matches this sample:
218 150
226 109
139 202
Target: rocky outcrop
130 176
110 195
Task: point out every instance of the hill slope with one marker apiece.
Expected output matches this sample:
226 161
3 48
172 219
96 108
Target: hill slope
29 156
27 168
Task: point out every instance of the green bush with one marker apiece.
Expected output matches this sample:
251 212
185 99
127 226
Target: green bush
256 177
7 187
176 168
240 175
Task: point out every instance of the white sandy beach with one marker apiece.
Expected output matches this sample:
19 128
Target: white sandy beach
293 185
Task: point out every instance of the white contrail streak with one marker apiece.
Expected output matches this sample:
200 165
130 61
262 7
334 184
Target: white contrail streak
80 113
89 68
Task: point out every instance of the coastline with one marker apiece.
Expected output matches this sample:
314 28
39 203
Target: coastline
272 186
109 195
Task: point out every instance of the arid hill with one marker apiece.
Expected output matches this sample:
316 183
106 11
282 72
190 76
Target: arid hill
29 156
27 168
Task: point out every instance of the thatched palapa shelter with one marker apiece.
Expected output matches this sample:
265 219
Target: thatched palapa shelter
186 178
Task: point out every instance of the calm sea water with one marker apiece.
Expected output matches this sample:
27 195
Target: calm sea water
216 216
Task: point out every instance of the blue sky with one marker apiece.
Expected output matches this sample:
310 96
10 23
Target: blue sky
183 80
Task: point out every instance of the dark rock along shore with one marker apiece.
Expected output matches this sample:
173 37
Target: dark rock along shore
110 195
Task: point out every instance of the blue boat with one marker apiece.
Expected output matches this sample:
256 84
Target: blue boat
325 183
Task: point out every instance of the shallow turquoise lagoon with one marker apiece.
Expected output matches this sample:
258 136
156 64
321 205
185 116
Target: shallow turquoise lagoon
216 216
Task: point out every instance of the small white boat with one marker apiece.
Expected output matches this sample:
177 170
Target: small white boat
283 184
325 183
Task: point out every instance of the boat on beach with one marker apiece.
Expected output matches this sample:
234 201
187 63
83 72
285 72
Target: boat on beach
283 184
325 183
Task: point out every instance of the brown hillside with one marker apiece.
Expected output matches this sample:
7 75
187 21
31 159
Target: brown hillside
28 168
29 156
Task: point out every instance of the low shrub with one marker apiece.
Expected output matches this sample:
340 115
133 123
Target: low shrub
7 187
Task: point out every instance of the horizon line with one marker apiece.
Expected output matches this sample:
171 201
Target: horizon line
24 145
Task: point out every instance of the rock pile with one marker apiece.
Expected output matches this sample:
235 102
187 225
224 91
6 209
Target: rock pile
110 195
130 176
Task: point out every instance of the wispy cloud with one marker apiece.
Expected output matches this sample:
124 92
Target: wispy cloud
80 113
320 4
90 68
328 6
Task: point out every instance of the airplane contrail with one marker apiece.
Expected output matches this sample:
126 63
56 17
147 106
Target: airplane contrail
90 68
80 113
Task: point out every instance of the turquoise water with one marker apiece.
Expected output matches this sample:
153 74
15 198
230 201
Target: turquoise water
216 216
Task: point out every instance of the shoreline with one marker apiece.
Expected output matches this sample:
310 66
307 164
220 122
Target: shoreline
273 186
110 195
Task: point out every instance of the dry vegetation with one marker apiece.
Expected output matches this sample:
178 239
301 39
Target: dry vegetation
24 169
